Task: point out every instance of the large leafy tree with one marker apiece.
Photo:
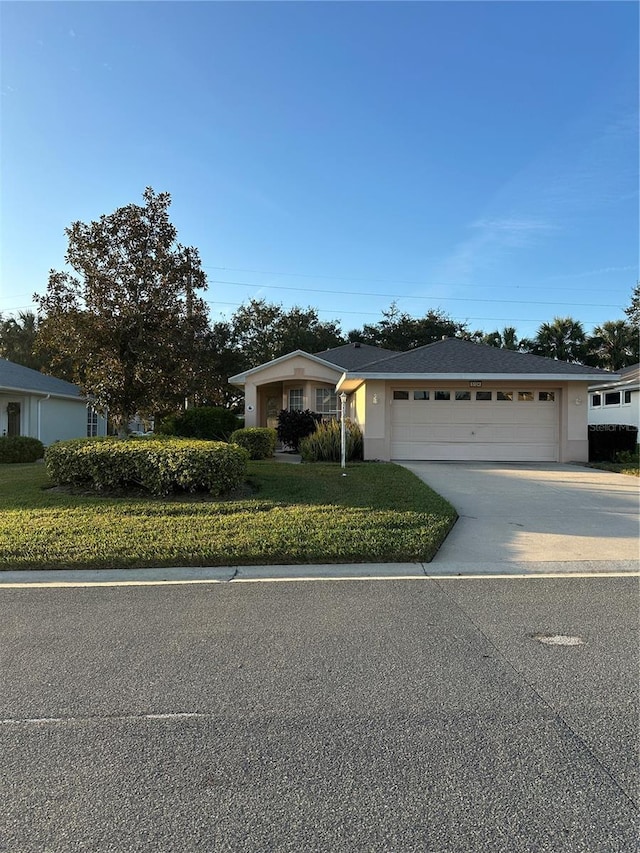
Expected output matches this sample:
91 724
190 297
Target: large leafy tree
614 345
261 331
563 339
128 316
399 331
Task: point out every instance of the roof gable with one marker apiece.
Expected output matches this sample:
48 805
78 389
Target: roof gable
240 378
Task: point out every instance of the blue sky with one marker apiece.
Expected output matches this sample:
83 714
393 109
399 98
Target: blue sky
476 157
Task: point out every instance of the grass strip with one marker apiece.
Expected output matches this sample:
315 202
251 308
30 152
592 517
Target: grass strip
296 514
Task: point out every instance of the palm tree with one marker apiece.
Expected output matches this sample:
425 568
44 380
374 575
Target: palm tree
564 339
614 345
18 339
506 339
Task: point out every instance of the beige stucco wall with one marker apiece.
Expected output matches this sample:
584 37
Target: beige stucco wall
278 379
574 439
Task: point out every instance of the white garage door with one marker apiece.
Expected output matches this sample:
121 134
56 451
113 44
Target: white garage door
487 425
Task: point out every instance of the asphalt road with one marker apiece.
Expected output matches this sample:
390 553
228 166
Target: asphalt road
405 715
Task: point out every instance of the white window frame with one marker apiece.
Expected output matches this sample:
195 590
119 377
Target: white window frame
321 406
295 407
92 422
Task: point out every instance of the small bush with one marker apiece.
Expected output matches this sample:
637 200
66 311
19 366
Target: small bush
324 445
159 466
294 425
259 441
606 440
630 457
20 448
210 423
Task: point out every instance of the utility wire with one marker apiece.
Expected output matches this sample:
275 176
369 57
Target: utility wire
398 296
408 281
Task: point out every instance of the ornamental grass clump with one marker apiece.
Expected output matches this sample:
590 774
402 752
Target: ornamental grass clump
260 442
324 445
156 465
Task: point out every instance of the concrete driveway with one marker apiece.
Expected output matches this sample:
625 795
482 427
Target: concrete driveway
535 512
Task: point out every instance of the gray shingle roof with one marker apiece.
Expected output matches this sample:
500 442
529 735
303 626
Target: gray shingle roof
352 356
456 356
629 379
16 376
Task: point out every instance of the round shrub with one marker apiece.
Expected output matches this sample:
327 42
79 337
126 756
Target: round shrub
324 445
20 448
157 465
294 425
259 441
207 422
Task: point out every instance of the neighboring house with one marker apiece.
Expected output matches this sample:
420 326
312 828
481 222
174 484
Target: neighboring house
450 400
43 407
617 400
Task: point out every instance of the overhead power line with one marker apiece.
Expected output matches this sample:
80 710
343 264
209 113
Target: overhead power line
416 282
406 296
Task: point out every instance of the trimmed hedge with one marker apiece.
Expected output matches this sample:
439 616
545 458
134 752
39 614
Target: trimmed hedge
211 423
20 448
325 444
259 441
157 465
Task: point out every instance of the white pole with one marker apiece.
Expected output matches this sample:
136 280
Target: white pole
343 431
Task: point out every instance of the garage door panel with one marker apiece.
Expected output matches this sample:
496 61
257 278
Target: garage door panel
475 452
500 431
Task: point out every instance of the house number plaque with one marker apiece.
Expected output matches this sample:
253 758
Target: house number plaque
475 385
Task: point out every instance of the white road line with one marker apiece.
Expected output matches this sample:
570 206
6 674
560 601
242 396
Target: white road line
424 577
39 721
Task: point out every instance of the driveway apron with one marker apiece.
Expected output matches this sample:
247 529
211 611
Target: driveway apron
535 512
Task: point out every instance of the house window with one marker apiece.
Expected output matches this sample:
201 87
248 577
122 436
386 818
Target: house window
596 400
627 398
400 395
92 422
612 398
463 395
296 400
504 396
525 396
546 396
442 395
326 401
484 396
420 395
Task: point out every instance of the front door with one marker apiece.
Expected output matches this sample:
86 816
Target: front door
274 407
13 418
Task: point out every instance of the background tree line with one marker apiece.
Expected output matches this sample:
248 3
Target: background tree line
128 323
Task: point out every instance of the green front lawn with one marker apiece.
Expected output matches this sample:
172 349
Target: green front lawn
295 514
